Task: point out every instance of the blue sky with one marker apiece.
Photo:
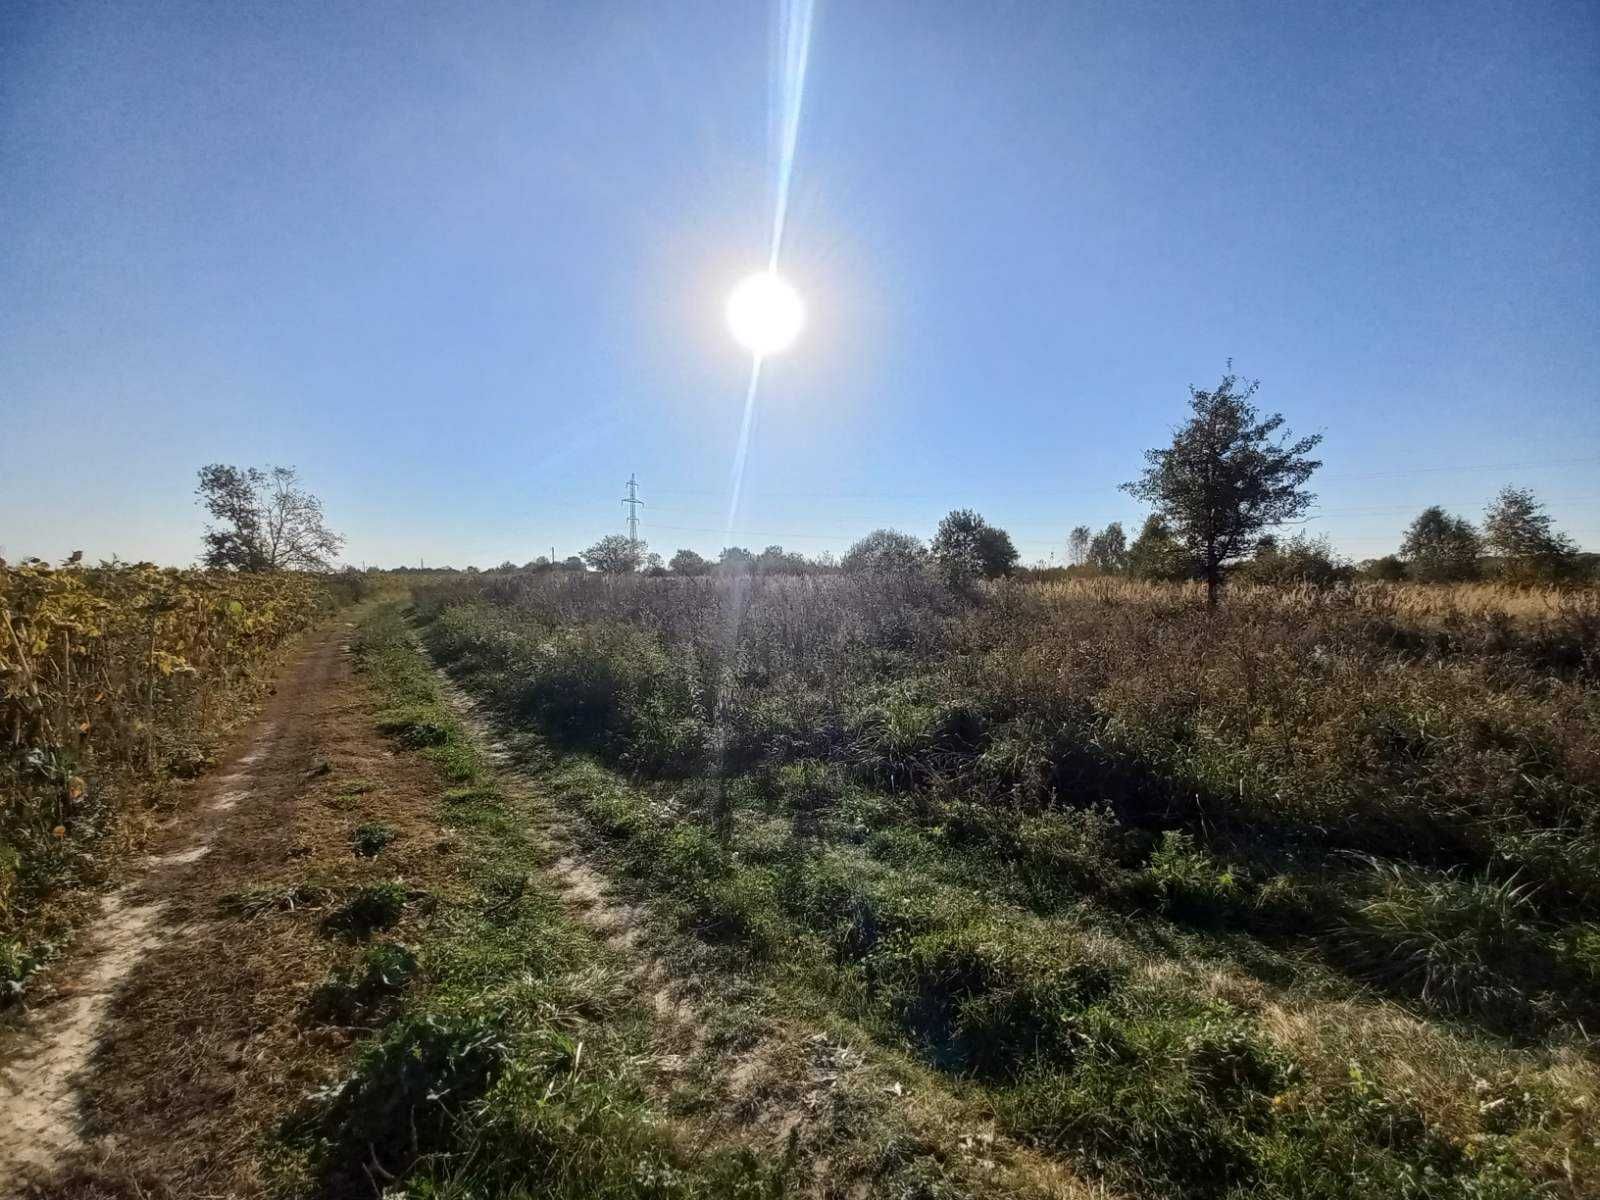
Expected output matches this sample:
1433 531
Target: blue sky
464 264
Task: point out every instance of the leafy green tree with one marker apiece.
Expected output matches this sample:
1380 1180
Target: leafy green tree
1156 554
1440 548
687 562
1228 475
1108 550
615 554
1522 535
266 521
968 547
886 551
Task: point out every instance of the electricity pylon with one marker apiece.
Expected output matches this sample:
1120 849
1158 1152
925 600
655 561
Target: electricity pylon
633 502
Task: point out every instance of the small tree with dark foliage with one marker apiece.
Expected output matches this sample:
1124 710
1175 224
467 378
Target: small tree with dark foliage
1440 548
1228 476
265 521
967 547
615 554
1518 530
687 562
885 551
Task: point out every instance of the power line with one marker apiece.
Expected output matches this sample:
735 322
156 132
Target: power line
1104 488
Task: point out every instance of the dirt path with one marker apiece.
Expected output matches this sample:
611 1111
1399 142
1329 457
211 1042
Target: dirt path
177 1035
131 1037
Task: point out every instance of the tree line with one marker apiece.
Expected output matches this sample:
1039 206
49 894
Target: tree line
1230 478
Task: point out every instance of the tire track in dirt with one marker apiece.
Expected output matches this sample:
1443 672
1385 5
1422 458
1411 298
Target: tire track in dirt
42 1101
779 1092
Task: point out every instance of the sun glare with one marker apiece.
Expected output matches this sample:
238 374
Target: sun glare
765 314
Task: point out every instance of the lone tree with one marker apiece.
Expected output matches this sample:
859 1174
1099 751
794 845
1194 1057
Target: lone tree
1108 549
1441 548
1078 545
265 521
1227 476
886 551
616 555
967 547
1519 531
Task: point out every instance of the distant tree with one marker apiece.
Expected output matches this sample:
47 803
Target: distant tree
508 565
1440 548
538 564
653 566
573 563
1518 530
736 560
886 551
1388 569
687 562
1108 549
1156 554
968 547
266 521
1304 558
1228 476
775 560
1078 545
615 555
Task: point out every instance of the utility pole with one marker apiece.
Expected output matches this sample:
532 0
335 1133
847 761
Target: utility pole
633 502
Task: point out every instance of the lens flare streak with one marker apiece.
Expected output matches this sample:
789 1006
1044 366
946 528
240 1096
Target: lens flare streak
791 54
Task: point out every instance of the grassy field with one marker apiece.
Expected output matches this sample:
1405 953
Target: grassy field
1299 898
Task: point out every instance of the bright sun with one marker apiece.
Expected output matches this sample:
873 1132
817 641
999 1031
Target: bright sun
765 314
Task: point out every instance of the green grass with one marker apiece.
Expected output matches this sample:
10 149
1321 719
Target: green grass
509 1062
1078 1047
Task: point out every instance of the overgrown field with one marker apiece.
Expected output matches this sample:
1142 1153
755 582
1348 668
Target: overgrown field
1298 898
113 680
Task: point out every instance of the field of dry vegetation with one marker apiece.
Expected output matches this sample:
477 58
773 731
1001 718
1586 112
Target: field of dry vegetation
1300 897
115 682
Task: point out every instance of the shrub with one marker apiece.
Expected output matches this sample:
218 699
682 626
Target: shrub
369 839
